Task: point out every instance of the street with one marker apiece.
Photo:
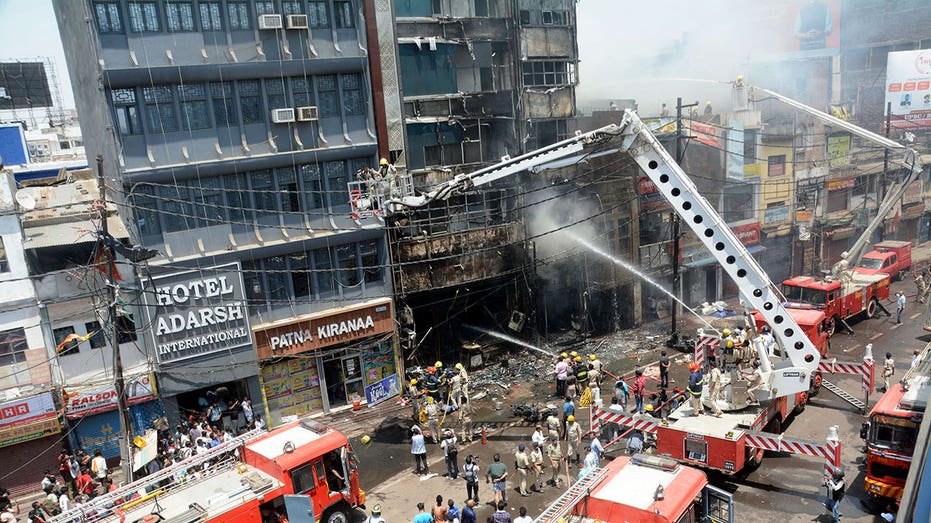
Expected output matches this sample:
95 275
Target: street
785 488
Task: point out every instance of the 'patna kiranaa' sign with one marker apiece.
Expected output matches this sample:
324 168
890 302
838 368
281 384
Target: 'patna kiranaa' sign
199 312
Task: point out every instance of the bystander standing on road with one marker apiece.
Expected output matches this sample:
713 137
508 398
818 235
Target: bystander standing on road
622 393
916 357
523 517
451 454
500 515
836 489
439 510
419 450
899 307
470 471
376 515
468 512
663 370
562 372
422 515
497 475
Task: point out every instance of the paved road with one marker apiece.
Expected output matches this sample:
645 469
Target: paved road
785 488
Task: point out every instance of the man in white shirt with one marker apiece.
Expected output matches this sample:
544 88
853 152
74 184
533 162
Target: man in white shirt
538 436
99 465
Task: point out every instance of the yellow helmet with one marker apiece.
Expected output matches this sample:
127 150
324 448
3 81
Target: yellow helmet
708 102
383 161
573 354
570 418
648 408
438 364
592 357
458 366
564 355
366 439
414 381
578 358
430 399
726 332
730 344
740 78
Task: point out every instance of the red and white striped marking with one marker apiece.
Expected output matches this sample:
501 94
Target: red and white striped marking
600 416
865 370
830 451
702 345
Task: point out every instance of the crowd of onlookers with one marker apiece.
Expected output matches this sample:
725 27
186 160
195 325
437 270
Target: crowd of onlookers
82 477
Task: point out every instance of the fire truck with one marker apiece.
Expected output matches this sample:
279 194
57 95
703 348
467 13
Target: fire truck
892 431
848 293
303 471
641 488
734 442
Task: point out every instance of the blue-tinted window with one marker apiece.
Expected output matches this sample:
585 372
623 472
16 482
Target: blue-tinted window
317 16
194 107
323 270
211 16
176 208
345 17
274 92
313 190
371 261
290 7
179 16
337 183
208 202
237 197
265 8
145 209
250 101
348 266
255 285
301 277
263 190
159 109
301 91
240 17
224 106
353 101
327 97
143 17
279 290
127 113
108 17
289 190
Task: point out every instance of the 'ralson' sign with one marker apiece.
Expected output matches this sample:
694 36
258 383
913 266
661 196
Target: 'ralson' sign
320 331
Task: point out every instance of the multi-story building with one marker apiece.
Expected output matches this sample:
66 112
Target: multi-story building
230 130
29 401
479 80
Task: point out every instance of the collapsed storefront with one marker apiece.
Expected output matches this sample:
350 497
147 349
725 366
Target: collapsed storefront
326 360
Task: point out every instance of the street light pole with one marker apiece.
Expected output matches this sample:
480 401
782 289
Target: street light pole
113 319
675 226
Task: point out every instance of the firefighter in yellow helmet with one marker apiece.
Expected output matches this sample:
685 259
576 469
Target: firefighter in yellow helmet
415 395
596 370
574 437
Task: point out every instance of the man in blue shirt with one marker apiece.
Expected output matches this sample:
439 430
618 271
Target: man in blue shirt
422 515
899 307
468 512
568 409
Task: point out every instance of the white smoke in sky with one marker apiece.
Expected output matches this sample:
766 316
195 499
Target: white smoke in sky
656 50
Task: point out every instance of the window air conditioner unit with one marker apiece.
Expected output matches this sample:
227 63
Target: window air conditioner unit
269 21
307 113
296 21
283 115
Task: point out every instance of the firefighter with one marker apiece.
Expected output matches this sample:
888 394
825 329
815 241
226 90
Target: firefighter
581 373
464 379
552 422
708 109
714 388
442 381
433 419
416 394
595 373
888 370
455 390
694 389
433 384
574 436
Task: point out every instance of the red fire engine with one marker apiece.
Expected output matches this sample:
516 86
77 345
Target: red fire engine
892 430
296 471
839 300
641 488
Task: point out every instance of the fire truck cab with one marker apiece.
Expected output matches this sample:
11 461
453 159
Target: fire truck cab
651 488
839 300
303 471
892 431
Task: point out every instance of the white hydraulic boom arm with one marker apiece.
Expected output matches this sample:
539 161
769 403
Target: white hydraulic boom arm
784 378
910 160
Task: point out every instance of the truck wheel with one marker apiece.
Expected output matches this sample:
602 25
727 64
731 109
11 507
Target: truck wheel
800 406
871 308
337 514
815 385
752 462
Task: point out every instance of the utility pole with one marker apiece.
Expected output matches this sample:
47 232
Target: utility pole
881 189
675 226
113 320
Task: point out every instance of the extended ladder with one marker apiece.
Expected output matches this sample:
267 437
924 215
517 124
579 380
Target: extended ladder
570 498
844 395
103 504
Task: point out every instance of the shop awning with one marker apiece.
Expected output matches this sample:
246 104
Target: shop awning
753 249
